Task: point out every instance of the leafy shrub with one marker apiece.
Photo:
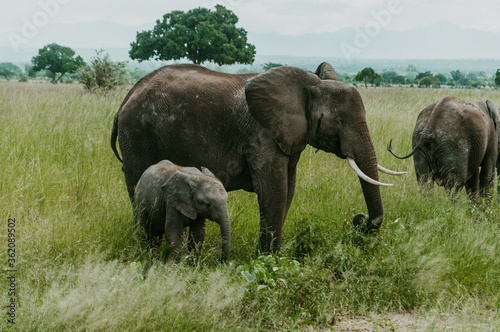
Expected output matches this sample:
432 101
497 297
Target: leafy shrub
102 73
281 287
307 241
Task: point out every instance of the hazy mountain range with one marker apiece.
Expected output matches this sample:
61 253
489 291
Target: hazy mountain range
348 46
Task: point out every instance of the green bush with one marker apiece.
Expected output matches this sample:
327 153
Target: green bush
102 73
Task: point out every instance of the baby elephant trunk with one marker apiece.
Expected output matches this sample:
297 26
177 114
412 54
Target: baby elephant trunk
225 231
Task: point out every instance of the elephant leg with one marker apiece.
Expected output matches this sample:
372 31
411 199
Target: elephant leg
423 173
196 235
137 157
292 176
472 186
487 178
174 231
271 186
152 237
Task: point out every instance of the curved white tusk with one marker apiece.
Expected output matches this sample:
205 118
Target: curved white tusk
388 171
365 177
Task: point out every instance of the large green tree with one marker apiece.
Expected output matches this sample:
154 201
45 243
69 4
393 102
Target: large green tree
57 60
9 70
367 75
199 35
497 77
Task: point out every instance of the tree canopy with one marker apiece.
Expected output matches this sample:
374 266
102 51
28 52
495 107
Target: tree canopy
9 70
102 73
367 75
497 77
456 75
56 59
199 35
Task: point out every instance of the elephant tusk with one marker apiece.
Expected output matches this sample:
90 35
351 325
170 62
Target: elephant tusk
363 176
388 171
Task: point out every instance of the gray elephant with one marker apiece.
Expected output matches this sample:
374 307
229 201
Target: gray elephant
169 198
250 130
456 144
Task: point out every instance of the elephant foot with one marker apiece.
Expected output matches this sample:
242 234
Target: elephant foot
362 223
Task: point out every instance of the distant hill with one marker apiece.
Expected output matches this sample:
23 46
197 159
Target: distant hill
341 65
439 47
433 41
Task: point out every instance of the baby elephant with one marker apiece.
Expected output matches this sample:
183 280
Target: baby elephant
169 197
456 144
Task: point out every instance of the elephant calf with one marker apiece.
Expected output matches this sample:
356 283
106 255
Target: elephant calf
456 144
169 198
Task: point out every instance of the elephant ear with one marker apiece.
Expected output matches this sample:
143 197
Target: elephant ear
325 71
278 100
207 172
177 191
494 113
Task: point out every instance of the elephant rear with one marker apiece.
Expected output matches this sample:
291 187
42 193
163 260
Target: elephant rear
158 120
455 144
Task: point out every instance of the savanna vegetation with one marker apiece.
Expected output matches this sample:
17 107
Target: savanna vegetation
82 265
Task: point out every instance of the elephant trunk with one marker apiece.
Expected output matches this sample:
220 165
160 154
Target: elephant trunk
366 160
225 231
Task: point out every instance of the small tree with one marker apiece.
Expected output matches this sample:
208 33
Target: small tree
422 75
56 59
367 75
7 74
427 81
389 76
199 35
497 77
441 78
457 76
9 70
102 73
399 80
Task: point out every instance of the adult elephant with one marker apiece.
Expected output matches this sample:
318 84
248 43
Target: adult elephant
456 144
249 130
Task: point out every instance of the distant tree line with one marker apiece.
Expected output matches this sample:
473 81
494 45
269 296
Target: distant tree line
412 77
206 36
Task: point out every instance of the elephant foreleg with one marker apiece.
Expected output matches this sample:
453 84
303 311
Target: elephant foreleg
271 186
292 176
174 231
196 235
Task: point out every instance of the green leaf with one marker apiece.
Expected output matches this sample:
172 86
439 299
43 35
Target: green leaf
261 287
248 276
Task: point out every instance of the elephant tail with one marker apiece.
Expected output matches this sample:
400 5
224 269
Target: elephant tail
114 136
389 148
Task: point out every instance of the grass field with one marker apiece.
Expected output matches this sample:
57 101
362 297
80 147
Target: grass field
81 266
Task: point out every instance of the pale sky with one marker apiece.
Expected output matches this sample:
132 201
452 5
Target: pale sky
285 17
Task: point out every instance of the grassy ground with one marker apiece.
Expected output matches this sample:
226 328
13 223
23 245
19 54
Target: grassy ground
434 265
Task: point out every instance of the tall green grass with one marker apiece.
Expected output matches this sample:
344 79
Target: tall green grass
82 264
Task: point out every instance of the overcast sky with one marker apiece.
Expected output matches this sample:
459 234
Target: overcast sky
287 17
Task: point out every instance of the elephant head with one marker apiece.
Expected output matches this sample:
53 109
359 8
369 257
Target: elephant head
495 117
300 108
325 71
195 193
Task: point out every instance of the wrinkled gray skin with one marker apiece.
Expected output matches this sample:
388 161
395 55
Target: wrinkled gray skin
249 130
456 144
169 198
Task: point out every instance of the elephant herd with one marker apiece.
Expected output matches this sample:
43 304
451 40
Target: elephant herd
188 135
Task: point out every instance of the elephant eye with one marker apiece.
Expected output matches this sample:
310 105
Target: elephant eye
204 203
